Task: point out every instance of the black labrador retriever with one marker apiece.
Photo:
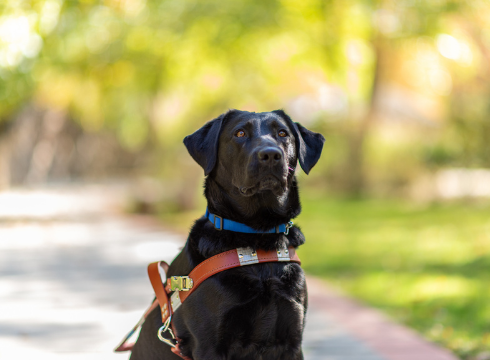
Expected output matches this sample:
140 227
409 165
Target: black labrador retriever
255 312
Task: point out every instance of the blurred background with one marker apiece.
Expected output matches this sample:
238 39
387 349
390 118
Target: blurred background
396 213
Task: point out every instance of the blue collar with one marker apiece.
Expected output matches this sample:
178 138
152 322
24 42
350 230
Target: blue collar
226 224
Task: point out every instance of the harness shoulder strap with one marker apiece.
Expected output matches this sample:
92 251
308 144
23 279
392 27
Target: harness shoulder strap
183 286
221 262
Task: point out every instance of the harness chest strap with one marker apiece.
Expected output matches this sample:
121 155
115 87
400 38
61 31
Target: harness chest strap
221 262
183 286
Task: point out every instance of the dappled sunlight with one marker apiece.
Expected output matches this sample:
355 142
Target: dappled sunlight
416 288
52 203
454 49
443 286
17 40
49 16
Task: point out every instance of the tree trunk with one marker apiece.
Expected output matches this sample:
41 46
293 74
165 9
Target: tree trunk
355 167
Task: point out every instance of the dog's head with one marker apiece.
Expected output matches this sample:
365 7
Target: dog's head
254 152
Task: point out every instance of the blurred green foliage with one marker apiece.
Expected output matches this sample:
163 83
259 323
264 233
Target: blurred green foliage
153 71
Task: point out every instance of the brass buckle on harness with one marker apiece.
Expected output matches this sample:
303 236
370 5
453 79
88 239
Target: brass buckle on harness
166 327
181 283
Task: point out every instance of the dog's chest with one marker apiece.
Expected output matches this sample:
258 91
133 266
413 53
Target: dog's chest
261 306
257 294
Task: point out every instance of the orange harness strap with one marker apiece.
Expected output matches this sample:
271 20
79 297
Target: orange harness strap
182 286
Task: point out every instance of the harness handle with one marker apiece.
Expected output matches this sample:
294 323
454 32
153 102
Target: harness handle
157 284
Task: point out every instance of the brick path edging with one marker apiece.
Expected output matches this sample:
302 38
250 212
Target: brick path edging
390 340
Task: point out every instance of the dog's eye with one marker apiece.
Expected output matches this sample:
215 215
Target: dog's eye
240 133
282 133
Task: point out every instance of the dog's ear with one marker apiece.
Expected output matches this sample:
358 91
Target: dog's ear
309 144
203 144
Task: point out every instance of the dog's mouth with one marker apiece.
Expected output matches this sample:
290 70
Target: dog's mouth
267 183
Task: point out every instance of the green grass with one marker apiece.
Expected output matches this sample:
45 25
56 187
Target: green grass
426 266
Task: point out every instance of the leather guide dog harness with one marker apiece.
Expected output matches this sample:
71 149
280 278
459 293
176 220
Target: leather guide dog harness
172 292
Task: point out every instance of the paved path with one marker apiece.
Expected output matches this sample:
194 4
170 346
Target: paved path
73 281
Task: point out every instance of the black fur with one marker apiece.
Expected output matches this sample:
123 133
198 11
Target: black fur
255 312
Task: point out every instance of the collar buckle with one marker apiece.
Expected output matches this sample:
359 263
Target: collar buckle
220 222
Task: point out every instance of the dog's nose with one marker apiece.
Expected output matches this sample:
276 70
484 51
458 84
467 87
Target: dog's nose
269 155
